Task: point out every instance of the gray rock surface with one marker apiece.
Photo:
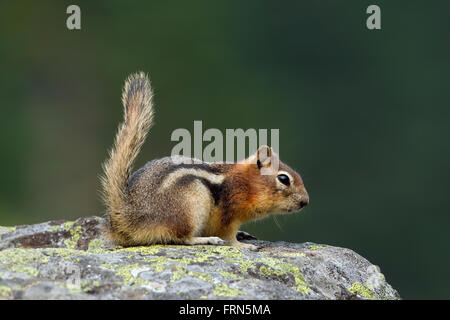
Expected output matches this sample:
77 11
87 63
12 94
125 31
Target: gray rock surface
71 260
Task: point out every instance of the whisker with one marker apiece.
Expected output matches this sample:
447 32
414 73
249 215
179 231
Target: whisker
277 223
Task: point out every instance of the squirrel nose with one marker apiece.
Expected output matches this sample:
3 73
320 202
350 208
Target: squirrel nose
304 202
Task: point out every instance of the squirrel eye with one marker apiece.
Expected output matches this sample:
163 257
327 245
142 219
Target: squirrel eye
284 179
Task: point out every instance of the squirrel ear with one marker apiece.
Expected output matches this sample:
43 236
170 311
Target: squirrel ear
263 156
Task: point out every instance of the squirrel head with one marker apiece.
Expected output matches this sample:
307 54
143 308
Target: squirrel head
275 186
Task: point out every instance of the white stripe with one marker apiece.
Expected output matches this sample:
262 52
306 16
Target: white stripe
174 176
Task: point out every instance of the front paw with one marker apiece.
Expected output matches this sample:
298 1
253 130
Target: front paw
206 240
216 241
247 246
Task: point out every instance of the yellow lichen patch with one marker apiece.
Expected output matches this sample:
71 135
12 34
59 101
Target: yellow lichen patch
19 260
277 267
142 250
181 272
361 290
126 274
202 276
5 291
315 247
65 253
75 236
292 254
230 275
68 225
178 273
200 254
224 251
209 254
223 290
88 286
159 258
54 228
159 264
96 246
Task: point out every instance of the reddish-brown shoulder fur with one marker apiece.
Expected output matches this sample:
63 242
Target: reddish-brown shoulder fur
244 191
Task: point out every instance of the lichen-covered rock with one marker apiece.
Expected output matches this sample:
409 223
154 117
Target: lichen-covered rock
71 260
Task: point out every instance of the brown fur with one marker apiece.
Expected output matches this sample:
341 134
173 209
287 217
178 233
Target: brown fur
165 202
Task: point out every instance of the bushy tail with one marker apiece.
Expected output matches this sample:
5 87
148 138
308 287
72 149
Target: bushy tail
138 116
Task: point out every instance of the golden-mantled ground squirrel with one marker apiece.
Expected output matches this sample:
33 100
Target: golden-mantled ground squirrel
198 203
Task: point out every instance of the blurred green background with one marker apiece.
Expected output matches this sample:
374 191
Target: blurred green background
363 115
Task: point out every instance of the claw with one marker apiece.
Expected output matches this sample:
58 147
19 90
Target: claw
242 235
